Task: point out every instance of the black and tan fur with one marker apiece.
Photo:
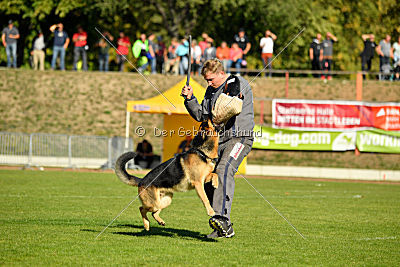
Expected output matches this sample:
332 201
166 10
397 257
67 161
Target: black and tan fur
185 171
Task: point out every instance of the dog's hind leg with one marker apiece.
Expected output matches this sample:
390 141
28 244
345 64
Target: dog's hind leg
146 222
165 201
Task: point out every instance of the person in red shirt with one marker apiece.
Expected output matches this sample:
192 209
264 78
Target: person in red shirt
206 39
123 50
235 57
80 47
223 53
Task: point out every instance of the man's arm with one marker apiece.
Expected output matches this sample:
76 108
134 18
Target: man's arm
321 54
197 111
333 37
379 50
247 49
53 27
311 54
273 36
365 36
3 38
66 43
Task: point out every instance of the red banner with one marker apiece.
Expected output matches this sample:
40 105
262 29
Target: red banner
326 114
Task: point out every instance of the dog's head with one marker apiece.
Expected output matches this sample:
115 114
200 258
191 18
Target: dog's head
207 136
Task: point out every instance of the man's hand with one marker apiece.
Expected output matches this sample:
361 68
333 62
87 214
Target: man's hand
187 91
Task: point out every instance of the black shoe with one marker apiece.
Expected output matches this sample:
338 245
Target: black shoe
214 234
222 225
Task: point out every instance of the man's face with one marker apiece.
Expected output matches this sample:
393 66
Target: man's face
215 79
387 38
319 36
241 34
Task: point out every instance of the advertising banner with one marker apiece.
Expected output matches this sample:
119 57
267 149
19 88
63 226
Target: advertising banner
285 139
334 115
378 141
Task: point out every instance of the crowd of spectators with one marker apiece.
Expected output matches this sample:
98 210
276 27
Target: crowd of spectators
153 55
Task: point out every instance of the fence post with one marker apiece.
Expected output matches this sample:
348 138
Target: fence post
30 150
287 84
70 151
359 86
109 152
261 112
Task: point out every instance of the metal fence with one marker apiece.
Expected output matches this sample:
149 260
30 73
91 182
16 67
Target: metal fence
57 150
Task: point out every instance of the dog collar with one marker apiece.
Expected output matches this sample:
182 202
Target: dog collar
203 155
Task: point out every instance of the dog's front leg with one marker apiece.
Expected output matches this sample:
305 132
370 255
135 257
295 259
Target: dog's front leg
202 194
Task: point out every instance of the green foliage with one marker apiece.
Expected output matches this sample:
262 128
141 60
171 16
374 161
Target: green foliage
346 19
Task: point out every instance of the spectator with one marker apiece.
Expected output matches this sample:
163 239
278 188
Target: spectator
183 53
140 50
223 53
61 42
210 52
80 48
235 57
152 50
122 50
243 43
196 57
145 153
171 59
104 48
160 54
368 53
396 59
316 54
327 46
384 51
37 52
10 35
204 41
185 144
267 46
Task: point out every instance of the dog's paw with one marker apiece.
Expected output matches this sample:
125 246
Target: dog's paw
211 212
214 181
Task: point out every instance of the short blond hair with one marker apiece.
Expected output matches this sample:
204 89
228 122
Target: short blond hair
213 65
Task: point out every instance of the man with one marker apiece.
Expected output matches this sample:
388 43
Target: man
327 46
37 52
9 36
235 57
368 53
244 43
171 59
104 48
140 51
61 42
316 54
80 41
223 53
183 53
267 46
385 52
145 153
122 50
153 48
235 139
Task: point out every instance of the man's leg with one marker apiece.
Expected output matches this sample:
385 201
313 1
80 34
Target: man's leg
101 62
106 61
76 57
35 56
8 53
14 54
270 65
41 59
62 58
54 59
84 59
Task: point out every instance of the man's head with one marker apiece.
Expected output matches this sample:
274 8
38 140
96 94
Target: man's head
80 29
241 32
213 72
267 33
143 37
319 36
387 38
60 26
121 34
372 37
152 36
10 23
235 46
224 44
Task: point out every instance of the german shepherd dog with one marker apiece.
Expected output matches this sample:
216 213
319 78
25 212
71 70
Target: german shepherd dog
186 171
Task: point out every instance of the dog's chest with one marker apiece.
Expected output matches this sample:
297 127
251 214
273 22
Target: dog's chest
184 185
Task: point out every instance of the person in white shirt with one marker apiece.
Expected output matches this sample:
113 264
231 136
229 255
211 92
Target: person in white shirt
267 46
37 52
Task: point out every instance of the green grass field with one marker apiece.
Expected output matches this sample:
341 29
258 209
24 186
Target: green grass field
52 218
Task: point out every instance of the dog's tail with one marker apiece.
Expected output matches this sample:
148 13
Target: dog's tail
121 172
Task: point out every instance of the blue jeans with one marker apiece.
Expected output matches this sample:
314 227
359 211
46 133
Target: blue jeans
183 65
103 62
77 52
235 64
56 50
11 51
